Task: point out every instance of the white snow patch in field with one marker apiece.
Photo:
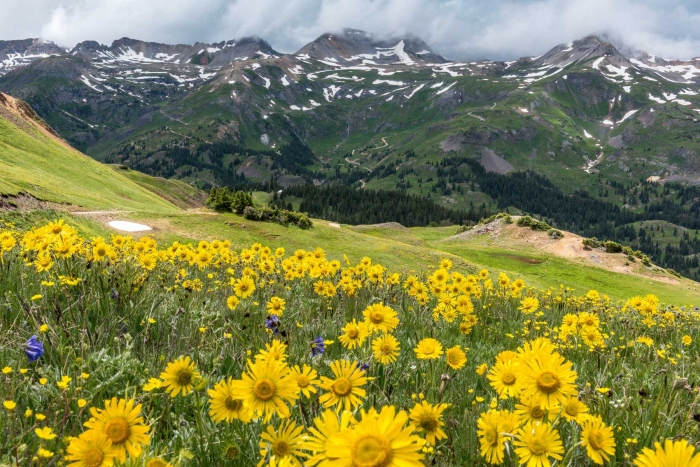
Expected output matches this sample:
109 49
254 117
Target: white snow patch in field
385 73
650 79
437 85
446 88
125 226
682 102
688 72
284 80
414 91
657 99
608 122
688 92
388 81
296 70
295 107
267 82
627 88
596 64
314 103
523 110
587 135
390 98
670 96
330 92
89 84
627 115
212 50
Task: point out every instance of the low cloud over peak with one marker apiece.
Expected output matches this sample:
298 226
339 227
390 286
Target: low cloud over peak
457 29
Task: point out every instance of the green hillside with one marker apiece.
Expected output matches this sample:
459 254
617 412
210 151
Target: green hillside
34 162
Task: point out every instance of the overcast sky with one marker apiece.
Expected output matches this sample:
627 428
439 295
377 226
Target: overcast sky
458 29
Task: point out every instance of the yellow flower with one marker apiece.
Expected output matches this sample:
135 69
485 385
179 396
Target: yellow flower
598 439
179 376
6 370
36 297
151 321
380 318
547 378
122 424
282 447
40 417
306 379
43 381
345 391
276 306
481 369
63 384
244 287
266 387
325 426
386 349
44 328
428 349
224 406
456 358
378 440
503 377
428 418
232 302
672 454
45 433
687 340
28 413
153 383
536 443
353 334
9 405
44 453
575 410
603 390
91 449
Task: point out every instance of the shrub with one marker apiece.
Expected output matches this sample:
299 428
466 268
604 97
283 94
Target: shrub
534 224
556 234
612 247
223 200
590 243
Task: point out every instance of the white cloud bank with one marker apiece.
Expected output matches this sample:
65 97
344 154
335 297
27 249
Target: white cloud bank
458 29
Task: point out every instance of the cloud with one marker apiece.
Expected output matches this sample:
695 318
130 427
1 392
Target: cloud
459 29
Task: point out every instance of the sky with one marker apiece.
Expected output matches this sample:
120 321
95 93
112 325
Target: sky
457 29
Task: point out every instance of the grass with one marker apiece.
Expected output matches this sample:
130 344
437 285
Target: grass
115 331
32 162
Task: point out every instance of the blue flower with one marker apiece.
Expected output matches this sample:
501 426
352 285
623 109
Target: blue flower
317 346
273 323
363 366
34 350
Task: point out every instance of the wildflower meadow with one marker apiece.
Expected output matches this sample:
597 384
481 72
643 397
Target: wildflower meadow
122 352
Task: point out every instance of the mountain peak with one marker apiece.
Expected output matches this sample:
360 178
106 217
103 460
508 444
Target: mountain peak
356 47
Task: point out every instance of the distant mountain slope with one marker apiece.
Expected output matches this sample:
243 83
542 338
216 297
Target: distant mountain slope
36 161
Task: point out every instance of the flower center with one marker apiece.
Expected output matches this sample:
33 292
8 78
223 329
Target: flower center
234 405
281 448
93 457
184 377
342 387
537 447
548 382
491 435
264 389
386 349
572 410
302 381
428 422
352 333
117 430
156 463
377 317
595 440
537 412
372 451
508 378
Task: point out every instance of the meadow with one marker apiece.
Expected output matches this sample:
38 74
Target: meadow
123 351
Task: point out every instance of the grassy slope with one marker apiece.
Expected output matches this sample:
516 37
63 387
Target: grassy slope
407 250
181 194
32 162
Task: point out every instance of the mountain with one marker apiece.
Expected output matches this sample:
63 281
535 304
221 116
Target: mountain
39 169
14 54
588 118
355 47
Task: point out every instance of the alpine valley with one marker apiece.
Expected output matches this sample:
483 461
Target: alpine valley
595 139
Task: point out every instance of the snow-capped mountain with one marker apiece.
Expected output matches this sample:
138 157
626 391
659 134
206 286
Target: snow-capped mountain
14 54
